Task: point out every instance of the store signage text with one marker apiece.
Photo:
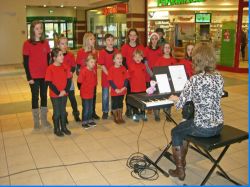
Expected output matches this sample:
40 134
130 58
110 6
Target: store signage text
120 8
176 2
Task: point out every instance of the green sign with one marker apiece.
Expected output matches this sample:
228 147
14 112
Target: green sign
176 2
228 44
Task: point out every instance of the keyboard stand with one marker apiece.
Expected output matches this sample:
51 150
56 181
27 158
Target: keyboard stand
165 153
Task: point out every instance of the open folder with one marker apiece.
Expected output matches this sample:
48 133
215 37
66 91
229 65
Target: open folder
170 79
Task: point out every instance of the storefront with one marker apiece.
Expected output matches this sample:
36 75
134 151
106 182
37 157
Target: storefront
56 21
110 19
197 20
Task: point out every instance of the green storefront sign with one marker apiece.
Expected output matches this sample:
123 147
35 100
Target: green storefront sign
228 44
176 2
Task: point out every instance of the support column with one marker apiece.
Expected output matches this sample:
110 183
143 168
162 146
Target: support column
80 27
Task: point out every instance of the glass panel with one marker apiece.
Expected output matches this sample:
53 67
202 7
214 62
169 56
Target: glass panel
51 43
28 30
244 40
70 44
63 29
49 31
70 30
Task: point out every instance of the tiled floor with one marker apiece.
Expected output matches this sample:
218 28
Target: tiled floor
55 158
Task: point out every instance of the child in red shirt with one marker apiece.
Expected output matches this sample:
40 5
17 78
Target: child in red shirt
106 61
187 61
127 52
36 57
87 49
166 60
69 62
137 77
87 83
59 80
118 79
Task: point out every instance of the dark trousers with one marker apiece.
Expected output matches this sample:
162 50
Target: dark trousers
38 88
87 110
242 48
128 92
181 131
73 102
59 109
117 102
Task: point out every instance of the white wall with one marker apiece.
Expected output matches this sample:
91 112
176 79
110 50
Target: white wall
12 31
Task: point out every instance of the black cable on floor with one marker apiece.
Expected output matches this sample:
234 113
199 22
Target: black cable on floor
141 169
63 165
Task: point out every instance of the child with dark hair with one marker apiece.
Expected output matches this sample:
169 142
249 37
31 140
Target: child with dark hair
36 57
106 61
118 79
69 62
58 79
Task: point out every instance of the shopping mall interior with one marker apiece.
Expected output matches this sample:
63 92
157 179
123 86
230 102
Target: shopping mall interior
99 156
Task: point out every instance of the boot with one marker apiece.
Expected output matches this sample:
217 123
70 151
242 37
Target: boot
178 154
63 127
76 116
57 130
44 121
36 118
115 115
120 119
185 149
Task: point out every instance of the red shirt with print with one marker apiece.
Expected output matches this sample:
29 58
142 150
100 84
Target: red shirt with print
87 79
137 77
188 66
106 59
69 60
118 76
38 57
58 76
165 61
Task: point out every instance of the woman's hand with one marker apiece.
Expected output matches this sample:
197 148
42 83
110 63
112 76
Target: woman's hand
31 81
62 93
174 98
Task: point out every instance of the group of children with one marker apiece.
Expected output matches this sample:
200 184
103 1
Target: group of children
124 72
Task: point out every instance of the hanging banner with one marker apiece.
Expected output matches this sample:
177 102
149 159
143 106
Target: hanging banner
228 44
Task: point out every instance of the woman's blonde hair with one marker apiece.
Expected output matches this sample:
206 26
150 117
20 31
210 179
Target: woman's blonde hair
203 58
85 42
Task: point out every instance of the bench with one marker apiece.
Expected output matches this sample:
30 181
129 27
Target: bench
228 136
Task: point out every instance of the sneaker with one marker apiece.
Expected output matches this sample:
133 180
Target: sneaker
136 118
105 115
92 124
95 116
85 126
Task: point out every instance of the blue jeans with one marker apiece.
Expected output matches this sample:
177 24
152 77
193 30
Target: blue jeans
105 99
181 131
87 110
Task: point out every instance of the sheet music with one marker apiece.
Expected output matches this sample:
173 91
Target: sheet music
179 77
163 84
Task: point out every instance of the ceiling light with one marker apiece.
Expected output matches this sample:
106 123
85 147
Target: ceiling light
75 7
61 6
44 5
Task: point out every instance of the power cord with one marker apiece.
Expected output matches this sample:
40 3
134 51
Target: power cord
141 169
62 165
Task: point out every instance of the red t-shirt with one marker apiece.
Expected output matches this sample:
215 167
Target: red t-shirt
152 56
106 59
165 61
118 76
38 58
69 60
188 66
137 77
87 79
58 75
82 56
127 52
